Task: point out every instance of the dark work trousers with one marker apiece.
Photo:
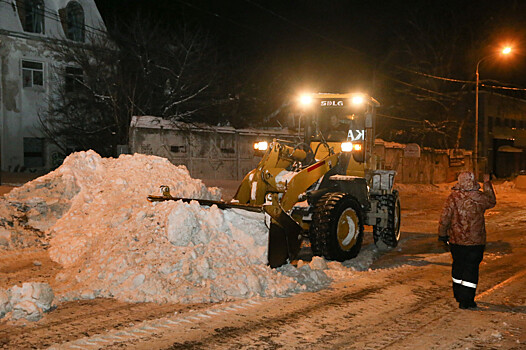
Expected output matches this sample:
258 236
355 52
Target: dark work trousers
465 271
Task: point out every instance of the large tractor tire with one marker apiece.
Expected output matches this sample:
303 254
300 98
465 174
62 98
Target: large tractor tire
336 231
388 237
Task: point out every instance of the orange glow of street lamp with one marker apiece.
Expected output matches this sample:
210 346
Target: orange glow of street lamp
506 50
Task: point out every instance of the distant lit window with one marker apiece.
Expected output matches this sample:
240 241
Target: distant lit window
72 18
31 13
33 152
32 74
74 79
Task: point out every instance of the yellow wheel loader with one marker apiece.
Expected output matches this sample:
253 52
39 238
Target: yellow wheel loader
323 189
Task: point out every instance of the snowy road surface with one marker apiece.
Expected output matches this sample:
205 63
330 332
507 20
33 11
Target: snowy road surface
402 301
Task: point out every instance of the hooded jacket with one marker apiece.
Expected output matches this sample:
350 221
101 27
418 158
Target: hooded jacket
462 218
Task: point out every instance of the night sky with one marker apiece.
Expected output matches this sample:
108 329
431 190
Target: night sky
340 46
338 38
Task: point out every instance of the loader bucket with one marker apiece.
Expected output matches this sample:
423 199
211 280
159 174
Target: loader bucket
284 240
277 246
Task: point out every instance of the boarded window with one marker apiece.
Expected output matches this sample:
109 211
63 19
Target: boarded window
32 73
33 152
72 19
31 14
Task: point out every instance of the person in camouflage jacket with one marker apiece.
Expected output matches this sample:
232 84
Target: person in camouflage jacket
462 229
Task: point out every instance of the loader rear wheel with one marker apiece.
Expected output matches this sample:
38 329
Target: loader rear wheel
336 232
389 236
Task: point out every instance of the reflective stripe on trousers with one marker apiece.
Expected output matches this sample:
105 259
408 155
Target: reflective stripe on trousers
465 283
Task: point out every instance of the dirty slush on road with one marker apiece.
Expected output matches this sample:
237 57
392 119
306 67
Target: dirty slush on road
83 254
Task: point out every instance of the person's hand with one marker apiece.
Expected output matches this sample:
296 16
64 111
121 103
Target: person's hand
486 178
444 242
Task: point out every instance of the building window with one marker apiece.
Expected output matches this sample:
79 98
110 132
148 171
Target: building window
74 79
72 19
32 74
33 152
31 14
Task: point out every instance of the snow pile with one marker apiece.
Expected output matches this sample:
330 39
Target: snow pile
347 269
180 252
506 186
29 301
364 260
113 243
28 211
112 192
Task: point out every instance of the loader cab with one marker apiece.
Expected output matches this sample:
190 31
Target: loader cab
333 121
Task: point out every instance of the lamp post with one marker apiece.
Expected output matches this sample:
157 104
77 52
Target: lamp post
504 51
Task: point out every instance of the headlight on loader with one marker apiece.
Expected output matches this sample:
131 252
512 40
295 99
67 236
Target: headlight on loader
261 146
347 146
305 100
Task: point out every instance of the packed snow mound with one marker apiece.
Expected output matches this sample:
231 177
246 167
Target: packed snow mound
182 252
506 186
110 192
112 242
29 301
27 212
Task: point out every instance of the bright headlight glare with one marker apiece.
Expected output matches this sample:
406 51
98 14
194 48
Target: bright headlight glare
357 147
347 146
261 146
305 100
357 99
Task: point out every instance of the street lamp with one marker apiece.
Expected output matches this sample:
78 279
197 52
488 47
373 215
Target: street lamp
504 51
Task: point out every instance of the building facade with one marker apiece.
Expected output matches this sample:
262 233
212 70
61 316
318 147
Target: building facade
502 134
29 74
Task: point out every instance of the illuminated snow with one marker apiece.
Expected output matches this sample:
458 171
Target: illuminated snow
112 242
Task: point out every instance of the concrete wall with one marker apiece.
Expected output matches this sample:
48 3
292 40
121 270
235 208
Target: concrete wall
433 166
226 153
20 106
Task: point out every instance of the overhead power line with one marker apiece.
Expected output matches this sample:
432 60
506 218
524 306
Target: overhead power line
53 15
502 87
399 118
432 76
435 76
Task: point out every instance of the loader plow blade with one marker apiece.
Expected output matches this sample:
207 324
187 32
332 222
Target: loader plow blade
277 246
207 202
284 240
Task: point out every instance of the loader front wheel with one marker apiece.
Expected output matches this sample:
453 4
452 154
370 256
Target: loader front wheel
336 232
